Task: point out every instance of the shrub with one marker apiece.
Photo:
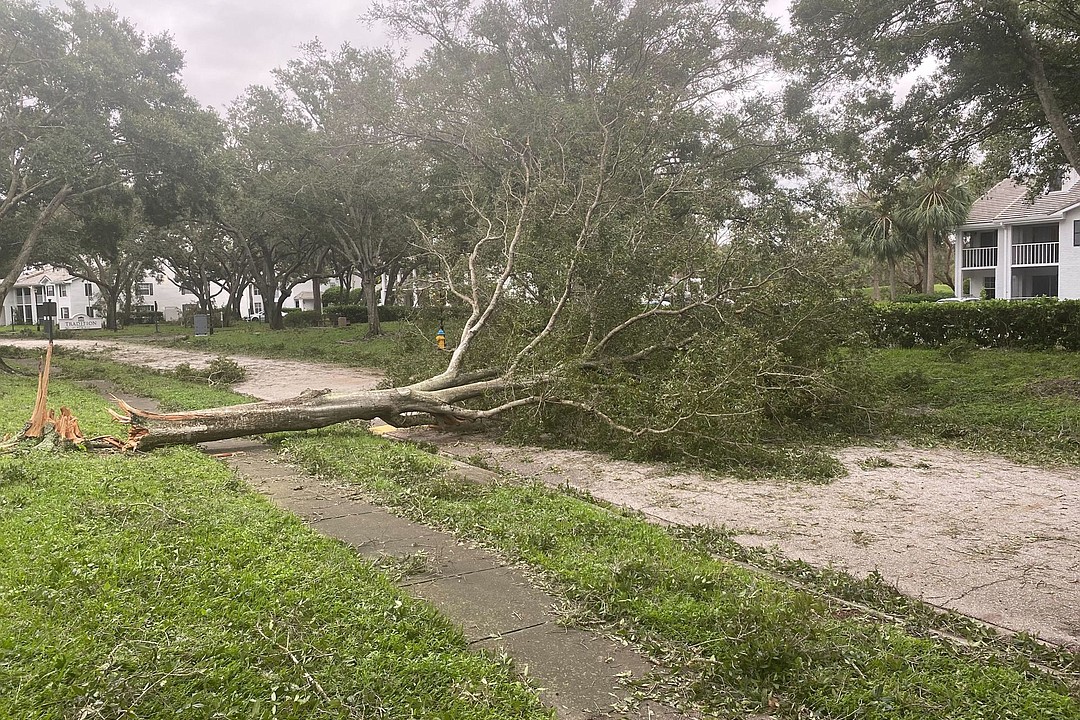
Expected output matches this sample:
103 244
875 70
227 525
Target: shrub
300 318
922 297
1029 324
220 371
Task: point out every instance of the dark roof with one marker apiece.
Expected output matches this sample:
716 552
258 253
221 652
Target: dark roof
1007 202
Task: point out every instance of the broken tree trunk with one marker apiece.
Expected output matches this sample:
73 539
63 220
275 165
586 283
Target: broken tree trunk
40 416
313 409
42 420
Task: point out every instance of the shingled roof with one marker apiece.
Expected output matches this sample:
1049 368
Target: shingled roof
1007 202
48 275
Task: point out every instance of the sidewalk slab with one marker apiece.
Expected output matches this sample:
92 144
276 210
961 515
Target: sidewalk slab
579 674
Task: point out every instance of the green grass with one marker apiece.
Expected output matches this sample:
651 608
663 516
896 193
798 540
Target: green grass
739 640
345 346
159 586
1024 405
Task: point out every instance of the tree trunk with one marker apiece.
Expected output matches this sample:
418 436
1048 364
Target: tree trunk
316 298
112 301
928 281
368 278
1036 72
313 409
892 280
271 309
875 282
30 242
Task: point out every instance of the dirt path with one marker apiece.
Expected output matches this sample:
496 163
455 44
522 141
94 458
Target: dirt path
977 533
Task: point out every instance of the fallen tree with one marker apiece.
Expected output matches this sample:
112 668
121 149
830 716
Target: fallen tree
627 268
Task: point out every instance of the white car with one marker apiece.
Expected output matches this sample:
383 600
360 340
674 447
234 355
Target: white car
966 298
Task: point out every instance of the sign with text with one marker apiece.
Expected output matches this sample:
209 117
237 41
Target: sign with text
81 322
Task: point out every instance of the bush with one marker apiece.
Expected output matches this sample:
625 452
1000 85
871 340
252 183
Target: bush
922 297
220 371
357 313
300 318
1029 324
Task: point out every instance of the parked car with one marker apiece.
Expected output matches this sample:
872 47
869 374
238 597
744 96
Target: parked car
966 298
256 317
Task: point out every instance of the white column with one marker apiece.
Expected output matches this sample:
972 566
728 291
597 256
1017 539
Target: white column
957 238
1004 264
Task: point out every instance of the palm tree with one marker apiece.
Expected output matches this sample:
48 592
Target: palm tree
935 203
877 236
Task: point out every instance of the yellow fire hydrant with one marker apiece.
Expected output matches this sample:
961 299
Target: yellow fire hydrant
440 338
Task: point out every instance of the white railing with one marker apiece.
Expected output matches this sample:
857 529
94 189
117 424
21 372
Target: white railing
980 257
1045 253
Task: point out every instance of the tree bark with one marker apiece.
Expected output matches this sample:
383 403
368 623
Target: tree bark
311 410
928 281
30 242
316 298
1036 71
370 301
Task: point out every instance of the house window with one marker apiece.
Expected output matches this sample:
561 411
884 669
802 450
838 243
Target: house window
65 313
89 311
258 307
63 290
1076 232
50 290
144 289
88 289
989 287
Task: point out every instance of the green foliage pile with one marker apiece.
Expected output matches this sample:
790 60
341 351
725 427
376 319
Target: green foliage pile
221 370
1028 324
159 586
730 387
741 642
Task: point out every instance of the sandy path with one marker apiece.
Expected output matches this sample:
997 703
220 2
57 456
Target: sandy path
266 380
977 533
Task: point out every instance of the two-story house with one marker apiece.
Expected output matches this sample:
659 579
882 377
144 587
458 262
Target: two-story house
1014 246
72 296
75 297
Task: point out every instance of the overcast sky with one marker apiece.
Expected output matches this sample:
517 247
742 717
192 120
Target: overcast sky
231 44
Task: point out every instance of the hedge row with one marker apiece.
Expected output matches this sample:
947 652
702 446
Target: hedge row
1040 323
357 314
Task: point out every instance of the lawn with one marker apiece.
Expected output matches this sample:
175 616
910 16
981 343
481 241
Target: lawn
159 586
1021 404
740 641
175 524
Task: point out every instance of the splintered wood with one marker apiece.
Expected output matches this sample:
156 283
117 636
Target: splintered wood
66 425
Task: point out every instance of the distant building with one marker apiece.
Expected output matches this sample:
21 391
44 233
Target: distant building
1013 247
76 297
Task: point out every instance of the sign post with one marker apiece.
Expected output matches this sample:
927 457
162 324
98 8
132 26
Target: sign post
48 310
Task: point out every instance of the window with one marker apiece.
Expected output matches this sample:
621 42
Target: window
89 311
989 287
144 289
88 289
1076 232
258 307
50 290
65 313
1057 180
63 290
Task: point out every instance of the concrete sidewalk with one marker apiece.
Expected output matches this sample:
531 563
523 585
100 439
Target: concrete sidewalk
581 675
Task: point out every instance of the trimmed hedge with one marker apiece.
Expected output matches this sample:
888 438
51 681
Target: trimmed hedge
1038 324
357 314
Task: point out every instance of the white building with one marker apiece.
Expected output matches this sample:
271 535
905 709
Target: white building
1013 247
75 297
